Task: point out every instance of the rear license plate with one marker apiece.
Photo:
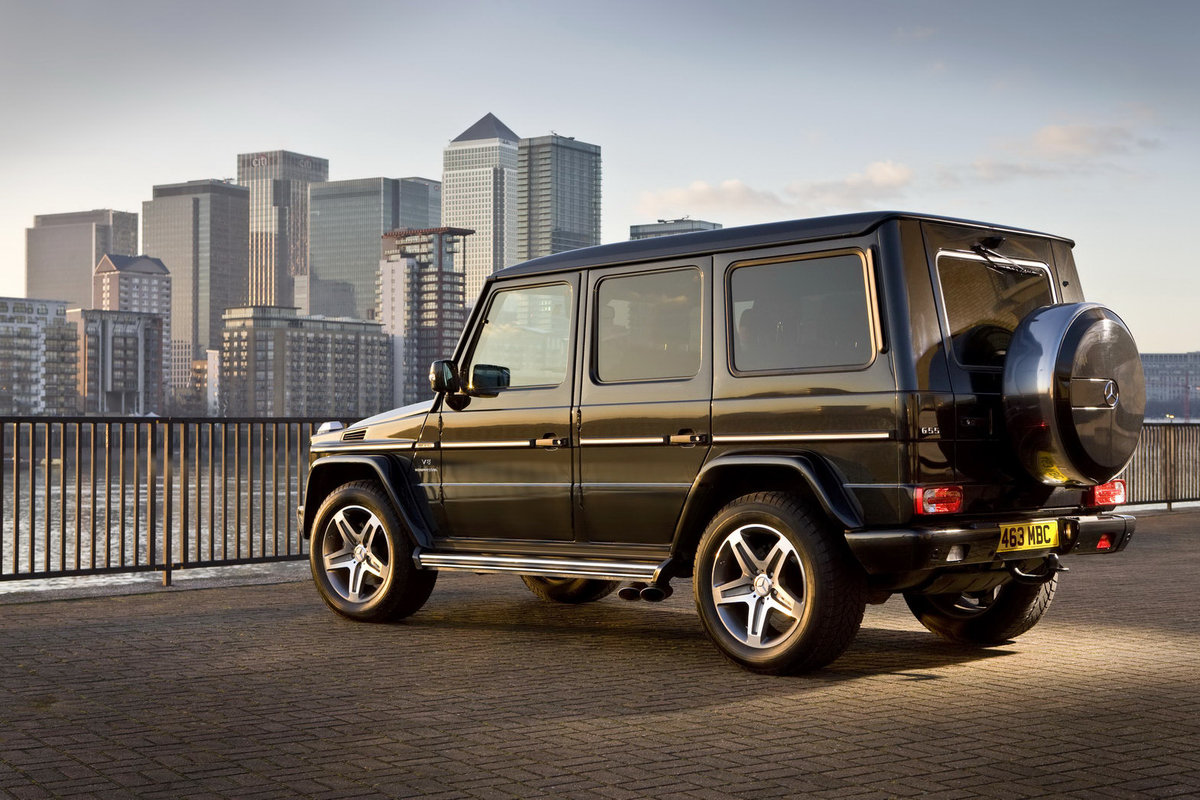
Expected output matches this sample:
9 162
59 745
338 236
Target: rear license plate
1033 535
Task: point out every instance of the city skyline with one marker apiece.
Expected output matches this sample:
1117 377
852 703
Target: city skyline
1074 118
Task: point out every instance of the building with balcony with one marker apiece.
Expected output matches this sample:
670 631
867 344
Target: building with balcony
119 358
421 303
37 357
275 362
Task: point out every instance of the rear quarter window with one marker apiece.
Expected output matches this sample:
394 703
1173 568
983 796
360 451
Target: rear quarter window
803 313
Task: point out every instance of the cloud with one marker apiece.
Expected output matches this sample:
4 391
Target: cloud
1081 141
735 200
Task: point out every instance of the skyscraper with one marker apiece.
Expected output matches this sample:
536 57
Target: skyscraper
61 250
198 230
421 303
558 196
278 183
479 192
347 220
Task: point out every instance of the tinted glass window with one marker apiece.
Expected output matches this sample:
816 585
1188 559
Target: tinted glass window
527 331
984 303
648 326
810 313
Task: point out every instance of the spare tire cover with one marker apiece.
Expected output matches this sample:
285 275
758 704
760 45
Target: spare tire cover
1074 394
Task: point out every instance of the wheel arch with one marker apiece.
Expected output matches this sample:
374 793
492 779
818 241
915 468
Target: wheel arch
330 472
728 477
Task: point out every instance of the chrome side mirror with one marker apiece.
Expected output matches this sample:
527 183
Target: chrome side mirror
488 380
443 377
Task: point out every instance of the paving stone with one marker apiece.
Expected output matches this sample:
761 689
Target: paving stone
260 692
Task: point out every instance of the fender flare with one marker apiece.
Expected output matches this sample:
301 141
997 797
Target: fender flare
391 474
823 480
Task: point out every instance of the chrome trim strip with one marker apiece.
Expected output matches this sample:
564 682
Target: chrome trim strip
802 437
513 444
626 440
616 570
350 447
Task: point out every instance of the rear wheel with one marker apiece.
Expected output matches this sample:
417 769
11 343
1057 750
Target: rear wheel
774 592
569 590
992 616
361 558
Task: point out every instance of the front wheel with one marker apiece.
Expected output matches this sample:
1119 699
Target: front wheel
774 592
569 590
993 616
361 559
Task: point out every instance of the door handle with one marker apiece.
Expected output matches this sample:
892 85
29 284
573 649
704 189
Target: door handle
551 441
688 438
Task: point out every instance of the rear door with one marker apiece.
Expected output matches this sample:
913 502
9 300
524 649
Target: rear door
644 399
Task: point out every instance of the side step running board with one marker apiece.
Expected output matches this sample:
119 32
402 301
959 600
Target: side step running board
534 565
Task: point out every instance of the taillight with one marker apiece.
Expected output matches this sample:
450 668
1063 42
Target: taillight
938 499
1106 494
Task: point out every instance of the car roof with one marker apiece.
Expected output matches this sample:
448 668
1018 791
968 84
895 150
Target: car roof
724 239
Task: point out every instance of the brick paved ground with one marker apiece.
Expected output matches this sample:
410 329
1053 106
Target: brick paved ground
261 692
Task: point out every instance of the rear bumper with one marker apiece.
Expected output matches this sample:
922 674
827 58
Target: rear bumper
884 552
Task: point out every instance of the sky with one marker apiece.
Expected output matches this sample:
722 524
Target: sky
1076 118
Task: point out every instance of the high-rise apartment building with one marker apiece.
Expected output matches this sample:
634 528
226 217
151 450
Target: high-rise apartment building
142 285
61 250
278 183
347 221
479 193
199 231
275 362
670 227
119 361
421 303
558 195
37 357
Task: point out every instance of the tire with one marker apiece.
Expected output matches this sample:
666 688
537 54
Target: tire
569 590
1074 394
775 593
990 617
361 557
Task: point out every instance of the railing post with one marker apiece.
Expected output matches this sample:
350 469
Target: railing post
167 535
1169 471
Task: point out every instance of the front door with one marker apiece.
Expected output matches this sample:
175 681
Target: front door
507 469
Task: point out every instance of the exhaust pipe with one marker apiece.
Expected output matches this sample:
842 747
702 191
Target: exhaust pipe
656 594
631 592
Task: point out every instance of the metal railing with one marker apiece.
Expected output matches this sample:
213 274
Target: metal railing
89 495
1166 465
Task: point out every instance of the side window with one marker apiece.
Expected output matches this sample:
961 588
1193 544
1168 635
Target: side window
527 332
648 326
802 313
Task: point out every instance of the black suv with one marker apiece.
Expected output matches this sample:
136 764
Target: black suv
802 417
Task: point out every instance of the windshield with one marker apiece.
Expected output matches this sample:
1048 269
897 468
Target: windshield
985 299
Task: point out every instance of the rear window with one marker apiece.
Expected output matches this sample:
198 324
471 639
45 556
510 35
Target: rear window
985 300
